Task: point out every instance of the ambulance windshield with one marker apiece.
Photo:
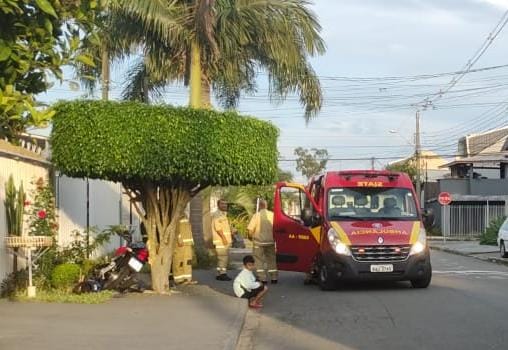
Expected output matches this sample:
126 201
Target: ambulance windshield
367 203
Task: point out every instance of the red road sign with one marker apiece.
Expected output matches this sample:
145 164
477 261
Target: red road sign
444 198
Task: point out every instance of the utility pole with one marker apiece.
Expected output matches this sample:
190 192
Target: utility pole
418 156
372 165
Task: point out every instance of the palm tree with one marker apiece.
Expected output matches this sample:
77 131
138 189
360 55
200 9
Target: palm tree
225 43
220 45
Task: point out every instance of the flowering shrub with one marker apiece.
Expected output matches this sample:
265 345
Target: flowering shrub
42 212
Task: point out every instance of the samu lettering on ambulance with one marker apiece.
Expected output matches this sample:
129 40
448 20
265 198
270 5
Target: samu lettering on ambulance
369 184
379 232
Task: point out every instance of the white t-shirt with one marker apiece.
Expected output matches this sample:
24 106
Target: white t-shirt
246 280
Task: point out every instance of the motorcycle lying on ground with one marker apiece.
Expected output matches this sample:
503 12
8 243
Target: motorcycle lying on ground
120 273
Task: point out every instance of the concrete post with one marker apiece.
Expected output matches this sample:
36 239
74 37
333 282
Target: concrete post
31 287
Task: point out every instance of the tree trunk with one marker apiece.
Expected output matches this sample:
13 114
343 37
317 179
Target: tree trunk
163 208
196 221
160 266
207 217
206 101
195 76
146 96
105 71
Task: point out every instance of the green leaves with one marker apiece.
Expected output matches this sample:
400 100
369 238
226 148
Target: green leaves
85 59
18 110
46 6
5 52
136 142
311 162
37 38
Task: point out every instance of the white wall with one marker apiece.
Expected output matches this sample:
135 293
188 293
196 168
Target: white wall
21 172
107 206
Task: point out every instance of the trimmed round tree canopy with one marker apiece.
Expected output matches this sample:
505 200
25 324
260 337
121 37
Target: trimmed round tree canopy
131 141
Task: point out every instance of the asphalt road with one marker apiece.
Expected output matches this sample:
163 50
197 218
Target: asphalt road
465 307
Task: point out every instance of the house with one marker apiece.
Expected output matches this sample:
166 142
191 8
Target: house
80 203
431 165
478 183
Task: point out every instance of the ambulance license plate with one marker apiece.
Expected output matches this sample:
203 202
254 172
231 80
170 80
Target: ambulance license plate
381 268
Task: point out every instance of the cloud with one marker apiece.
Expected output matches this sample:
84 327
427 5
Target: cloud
502 4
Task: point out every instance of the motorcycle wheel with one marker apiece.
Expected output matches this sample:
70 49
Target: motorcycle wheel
127 284
115 283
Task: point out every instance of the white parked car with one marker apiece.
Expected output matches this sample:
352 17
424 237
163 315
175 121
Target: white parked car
502 239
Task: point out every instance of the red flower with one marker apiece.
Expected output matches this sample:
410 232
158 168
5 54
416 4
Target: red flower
41 214
26 203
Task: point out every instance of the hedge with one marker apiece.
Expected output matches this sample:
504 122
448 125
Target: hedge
64 276
132 141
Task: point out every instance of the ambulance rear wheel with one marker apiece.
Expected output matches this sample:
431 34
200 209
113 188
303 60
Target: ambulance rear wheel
326 281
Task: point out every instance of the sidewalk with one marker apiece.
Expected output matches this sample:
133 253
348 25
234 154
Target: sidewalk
469 248
196 318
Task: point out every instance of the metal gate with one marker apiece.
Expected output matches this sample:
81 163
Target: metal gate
469 219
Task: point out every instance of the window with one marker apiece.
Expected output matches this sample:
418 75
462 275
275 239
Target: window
371 203
293 200
505 225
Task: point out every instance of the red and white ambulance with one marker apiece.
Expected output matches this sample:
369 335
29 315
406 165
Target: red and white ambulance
352 225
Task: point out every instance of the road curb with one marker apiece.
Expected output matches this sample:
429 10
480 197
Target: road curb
234 331
491 260
233 337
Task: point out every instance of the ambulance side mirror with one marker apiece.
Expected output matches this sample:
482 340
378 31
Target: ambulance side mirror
428 217
310 218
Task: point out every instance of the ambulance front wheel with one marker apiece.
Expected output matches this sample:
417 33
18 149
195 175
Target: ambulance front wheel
326 280
423 282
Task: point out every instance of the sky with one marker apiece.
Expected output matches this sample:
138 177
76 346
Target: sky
371 75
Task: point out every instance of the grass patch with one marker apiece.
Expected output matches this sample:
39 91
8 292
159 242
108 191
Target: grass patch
56 296
489 237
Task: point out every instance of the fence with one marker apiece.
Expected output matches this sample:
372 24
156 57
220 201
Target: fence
469 220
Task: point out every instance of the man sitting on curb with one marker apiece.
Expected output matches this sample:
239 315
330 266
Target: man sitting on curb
246 286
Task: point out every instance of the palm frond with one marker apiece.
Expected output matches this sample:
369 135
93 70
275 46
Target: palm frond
168 19
140 86
276 36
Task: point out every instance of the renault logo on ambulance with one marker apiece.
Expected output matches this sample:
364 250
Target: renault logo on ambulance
380 240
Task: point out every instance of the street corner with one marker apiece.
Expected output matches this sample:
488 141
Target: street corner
470 249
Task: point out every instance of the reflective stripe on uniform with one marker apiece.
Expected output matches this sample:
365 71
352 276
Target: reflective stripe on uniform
181 276
272 270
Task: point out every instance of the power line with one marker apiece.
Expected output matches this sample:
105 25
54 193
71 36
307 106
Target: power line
369 158
470 63
490 116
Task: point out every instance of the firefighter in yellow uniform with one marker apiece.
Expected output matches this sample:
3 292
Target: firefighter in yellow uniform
221 231
261 232
182 259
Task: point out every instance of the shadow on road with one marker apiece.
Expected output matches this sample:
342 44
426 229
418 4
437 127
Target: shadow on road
450 314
